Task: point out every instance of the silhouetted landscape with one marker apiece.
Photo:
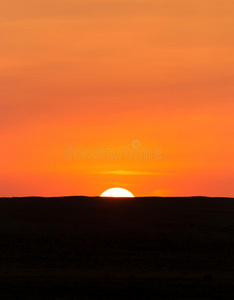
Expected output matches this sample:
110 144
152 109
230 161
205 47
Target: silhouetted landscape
101 248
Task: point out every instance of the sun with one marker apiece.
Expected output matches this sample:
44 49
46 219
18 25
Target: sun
117 192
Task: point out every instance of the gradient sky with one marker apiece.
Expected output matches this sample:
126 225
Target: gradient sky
79 77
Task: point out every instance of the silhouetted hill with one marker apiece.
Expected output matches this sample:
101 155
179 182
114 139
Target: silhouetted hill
107 248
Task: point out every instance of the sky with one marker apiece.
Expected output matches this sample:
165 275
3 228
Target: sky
137 94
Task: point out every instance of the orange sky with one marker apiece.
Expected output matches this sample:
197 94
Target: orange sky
95 75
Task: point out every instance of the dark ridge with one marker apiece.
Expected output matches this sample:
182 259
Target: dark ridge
95 197
107 248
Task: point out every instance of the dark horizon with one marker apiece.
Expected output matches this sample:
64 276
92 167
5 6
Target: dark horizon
135 197
100 248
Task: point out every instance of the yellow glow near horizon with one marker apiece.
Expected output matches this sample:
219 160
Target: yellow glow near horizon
117 192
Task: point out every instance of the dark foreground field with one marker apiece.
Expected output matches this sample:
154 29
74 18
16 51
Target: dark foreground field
96 248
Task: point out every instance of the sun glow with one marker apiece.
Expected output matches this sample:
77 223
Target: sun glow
117 192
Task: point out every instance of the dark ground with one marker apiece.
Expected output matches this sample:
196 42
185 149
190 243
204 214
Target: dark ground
99 248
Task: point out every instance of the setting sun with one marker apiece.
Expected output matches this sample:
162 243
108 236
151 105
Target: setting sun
117 192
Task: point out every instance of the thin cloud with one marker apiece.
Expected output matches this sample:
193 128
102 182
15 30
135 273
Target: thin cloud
162 193
124 172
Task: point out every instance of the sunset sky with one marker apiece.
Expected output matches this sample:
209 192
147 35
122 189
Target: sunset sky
81 79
